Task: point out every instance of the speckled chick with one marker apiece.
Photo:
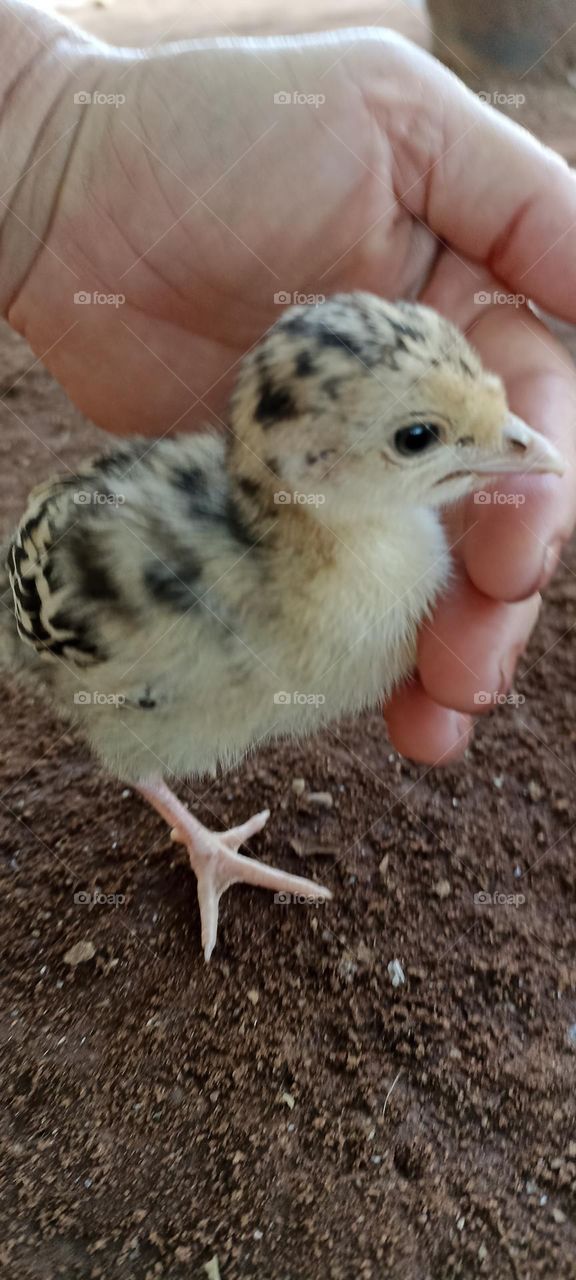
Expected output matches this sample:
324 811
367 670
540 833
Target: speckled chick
188 599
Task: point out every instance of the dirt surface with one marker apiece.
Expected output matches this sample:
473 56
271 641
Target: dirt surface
288 1110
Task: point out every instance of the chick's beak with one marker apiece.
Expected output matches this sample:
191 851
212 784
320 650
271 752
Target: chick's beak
523 450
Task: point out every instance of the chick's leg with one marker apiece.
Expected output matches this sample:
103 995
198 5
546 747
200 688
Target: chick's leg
215 860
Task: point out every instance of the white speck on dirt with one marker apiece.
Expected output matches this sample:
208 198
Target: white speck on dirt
80 952
322 799
396 973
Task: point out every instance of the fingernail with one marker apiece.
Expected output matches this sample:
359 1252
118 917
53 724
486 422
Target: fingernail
550 563
508 667
463 728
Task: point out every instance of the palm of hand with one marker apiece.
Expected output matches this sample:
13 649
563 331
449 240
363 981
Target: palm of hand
176 218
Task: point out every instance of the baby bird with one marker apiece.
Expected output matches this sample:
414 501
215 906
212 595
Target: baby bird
186 599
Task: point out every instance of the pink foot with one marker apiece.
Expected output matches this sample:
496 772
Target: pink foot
215 860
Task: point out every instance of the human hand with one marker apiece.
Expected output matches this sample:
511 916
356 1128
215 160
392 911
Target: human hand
199 198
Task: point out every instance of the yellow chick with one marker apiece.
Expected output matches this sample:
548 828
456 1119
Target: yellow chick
186 599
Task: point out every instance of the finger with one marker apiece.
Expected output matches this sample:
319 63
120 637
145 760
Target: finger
529 518
514 541
484 185
468 652
424 731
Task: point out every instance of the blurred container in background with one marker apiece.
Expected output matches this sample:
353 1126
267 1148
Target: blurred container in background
520 37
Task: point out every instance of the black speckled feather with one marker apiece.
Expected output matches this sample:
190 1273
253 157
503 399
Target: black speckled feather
39 599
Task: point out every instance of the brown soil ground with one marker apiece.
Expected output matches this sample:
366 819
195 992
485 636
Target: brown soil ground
287 1109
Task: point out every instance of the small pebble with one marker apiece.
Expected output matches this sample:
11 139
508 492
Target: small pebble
253 995
558 1216
443 888
298 786
347 967
80 952
396 972
383 867
288 1100
212 1269
535 791
322 799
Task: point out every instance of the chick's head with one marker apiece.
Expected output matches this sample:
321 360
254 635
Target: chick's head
358 402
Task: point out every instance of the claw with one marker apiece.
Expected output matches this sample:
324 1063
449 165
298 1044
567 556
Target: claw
216 863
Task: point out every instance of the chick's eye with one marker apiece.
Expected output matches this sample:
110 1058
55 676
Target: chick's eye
417 438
